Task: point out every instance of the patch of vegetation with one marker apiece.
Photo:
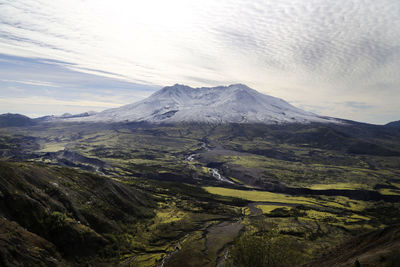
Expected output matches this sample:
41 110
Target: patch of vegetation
269 208
266 248
259 196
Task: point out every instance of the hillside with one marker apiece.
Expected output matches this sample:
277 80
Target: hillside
55 216
57 211
376 248
13 120
394 124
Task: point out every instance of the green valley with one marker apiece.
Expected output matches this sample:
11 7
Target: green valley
139 194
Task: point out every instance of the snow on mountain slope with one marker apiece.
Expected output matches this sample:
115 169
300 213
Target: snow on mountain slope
235 103
50 118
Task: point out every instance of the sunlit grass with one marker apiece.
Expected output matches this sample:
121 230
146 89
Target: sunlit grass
338 186
387 191
269 208
169 215
258 196
53 147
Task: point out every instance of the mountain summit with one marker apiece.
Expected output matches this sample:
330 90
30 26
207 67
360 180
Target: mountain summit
235 103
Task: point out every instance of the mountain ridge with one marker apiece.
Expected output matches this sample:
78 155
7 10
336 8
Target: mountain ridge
394 124
15 120
236 103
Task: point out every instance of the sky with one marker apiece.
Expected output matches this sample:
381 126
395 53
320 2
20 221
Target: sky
337 58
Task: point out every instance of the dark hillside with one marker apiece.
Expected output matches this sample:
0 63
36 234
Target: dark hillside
394 124
76 211
13 120
376 248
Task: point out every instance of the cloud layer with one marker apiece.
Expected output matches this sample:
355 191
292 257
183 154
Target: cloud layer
339 58
35 88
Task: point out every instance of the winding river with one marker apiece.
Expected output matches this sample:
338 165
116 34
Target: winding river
213 171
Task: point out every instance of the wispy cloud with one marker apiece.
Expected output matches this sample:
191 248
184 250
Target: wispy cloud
319 51
30 82
358 105
43 100
40 87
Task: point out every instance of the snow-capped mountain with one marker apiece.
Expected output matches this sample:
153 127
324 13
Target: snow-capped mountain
235 103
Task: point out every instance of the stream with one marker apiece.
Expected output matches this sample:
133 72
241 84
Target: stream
213 171
190 157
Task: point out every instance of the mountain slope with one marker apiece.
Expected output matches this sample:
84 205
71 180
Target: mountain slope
224 104
64 210
14 120
395 124
376 248
19 246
